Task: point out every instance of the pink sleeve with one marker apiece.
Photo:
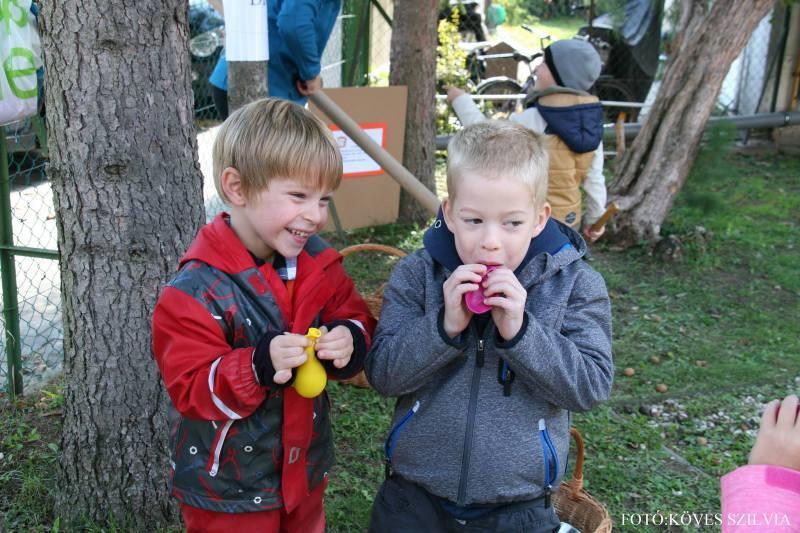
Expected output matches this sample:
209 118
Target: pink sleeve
760 498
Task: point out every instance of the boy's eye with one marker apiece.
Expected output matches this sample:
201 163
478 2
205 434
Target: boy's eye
325 201
515 223
473 220
299 195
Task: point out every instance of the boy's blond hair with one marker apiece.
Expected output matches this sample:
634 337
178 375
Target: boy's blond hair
273 138
496 148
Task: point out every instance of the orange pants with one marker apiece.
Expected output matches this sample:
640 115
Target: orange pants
308 517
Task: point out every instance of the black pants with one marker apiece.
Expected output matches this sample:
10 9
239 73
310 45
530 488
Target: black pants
402 506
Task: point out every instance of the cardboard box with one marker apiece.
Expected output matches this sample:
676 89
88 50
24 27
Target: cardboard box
368 196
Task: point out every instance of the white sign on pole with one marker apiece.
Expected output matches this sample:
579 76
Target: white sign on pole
246 30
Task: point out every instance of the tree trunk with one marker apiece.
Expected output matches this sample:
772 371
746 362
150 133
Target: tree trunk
247 82
128 198
655 166
413 63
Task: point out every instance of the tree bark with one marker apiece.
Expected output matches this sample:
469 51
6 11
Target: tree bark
247 82
655 166
128 197
413 63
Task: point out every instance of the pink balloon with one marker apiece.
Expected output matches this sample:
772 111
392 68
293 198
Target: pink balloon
474 299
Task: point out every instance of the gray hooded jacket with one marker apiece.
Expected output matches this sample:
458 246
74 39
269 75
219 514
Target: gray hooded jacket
461 429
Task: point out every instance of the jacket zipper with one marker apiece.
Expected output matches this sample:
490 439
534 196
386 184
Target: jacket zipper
216 449
550 474
391 439
473 401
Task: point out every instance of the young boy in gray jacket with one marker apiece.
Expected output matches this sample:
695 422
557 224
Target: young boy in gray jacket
480 433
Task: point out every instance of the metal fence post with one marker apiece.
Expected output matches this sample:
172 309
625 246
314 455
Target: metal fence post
9 275
356 48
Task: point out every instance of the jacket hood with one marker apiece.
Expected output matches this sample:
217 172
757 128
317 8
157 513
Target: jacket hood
218 246
574 116
556 237
579 126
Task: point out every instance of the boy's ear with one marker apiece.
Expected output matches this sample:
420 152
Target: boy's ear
542 219
231 184
447 205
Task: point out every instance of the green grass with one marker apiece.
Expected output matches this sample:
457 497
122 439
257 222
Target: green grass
719 329
29 437
556 29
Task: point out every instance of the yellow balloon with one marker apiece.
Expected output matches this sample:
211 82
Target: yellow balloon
311 378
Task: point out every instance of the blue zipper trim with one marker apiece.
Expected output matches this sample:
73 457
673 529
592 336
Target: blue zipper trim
505 376
391 439
547 446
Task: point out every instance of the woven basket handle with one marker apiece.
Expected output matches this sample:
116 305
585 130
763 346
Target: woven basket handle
577 472
369 247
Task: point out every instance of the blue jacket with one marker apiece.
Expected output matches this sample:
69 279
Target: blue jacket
298 32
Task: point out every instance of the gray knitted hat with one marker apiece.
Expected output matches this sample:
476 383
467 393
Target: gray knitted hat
574 63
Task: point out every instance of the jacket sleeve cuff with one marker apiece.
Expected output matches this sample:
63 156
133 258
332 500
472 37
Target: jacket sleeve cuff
262 362
466 110
356 363
309 72
459 341
503 344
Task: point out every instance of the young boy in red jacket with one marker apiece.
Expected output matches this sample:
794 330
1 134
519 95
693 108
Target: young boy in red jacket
248 452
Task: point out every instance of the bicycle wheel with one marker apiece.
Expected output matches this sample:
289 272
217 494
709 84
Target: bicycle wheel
499 109
617 91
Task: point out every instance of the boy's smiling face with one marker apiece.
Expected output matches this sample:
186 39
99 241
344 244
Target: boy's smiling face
280 218
493 220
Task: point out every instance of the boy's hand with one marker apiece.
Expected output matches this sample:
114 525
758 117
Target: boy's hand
507 297
592 235
335 345
464 279
287 351
778 440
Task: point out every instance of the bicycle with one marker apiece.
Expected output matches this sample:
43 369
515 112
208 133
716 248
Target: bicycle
505 86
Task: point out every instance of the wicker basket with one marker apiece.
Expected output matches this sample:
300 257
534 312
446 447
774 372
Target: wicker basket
374 300
576 506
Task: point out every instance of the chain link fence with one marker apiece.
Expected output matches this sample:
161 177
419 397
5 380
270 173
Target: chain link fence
206 40
31 281
357 54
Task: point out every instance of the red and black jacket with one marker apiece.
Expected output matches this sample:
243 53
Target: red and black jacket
238 445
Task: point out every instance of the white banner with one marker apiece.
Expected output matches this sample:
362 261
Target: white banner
246 30
20 51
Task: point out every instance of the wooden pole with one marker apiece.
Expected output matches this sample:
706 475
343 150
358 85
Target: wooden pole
392 167
605 217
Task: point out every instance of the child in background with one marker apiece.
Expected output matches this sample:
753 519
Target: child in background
573 121
480 433
248 452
